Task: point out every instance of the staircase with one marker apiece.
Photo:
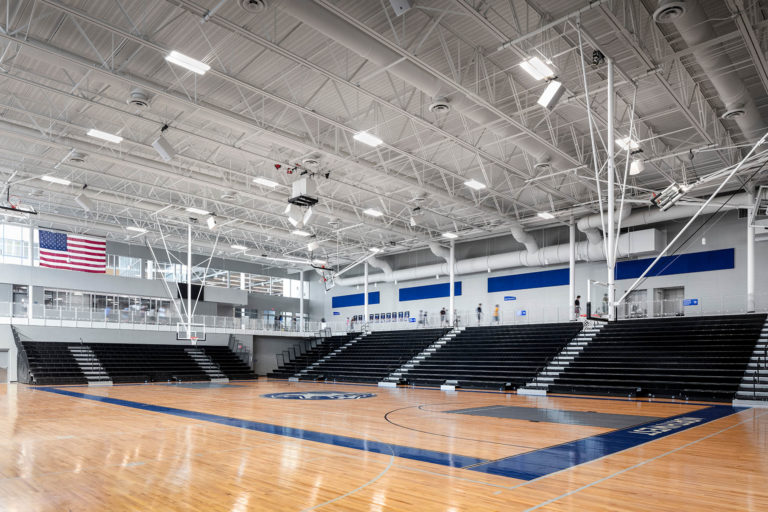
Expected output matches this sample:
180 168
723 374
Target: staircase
308 369
540 384
396 377
90 365
210 368
754 384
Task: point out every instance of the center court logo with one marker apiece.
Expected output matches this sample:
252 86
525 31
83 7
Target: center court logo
318 395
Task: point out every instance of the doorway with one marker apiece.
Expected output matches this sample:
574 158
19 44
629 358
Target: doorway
668 301
636 305
4 366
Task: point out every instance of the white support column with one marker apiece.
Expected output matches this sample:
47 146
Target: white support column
301 301
572 270
30 287
610 256
750 256
365 294
451 280
189 280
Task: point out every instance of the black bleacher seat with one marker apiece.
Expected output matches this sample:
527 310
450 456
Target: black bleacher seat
494 356
52 363
375 356
133 362
322 349
701 358
229 363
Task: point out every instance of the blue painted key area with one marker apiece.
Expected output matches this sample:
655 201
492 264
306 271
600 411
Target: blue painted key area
526 466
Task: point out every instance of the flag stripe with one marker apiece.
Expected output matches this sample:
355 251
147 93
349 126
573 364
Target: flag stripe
72 252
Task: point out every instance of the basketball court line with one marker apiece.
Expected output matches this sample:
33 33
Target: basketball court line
526 466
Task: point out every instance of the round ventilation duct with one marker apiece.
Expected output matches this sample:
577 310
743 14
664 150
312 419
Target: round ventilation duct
440 106
253 6
733 113
138 98
76 157
668 11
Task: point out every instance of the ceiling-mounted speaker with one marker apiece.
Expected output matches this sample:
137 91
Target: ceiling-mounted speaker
164 148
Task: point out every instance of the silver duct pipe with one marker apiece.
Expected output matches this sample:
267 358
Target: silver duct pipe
524 238
592 225
381 265
332 26
552 255
695 28
440 251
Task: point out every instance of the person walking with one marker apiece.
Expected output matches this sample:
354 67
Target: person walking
577 306
496 315
479 312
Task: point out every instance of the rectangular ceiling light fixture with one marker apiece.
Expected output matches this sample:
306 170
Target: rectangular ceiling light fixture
265 182
109 137
136 229
54 179
474 184
368 138
448 234
545 215
551 94
198 211
373 212
299 232
537 68
189 63
628 144
239 247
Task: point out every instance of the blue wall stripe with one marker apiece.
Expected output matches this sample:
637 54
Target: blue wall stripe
356 299
541 279
430 291
705 261
525 466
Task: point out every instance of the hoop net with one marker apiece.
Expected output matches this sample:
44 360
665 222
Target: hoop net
193 339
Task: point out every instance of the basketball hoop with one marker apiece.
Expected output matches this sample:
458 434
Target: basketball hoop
193 339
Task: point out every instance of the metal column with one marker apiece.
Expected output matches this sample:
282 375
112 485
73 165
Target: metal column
610 254
572 270
750 256
451 278
189 280
301 301
365 294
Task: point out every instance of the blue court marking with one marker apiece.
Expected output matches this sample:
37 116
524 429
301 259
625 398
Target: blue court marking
539 463
405 452
525 466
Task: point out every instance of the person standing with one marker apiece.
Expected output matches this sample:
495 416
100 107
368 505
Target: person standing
496 315
442 317
479 312
577 306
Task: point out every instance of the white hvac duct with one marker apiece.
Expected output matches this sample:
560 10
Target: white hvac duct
381 265
630 244
524 238
591 225
334 27
440 251
695 28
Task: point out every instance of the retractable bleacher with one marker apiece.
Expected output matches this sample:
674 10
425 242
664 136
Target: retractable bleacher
701 358
229 363
52 363
133 362
494 357
314 354
375 356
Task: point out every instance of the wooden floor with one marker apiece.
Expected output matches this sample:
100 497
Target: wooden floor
61 452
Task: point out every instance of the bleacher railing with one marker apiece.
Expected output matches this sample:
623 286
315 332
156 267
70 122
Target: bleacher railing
18 314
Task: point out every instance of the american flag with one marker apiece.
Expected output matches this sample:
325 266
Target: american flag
73 252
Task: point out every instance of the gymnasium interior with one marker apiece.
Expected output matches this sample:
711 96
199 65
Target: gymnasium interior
383 255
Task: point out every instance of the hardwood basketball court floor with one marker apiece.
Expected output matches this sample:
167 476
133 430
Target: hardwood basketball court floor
312 446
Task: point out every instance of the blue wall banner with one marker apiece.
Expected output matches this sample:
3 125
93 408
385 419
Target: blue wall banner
690 302
705 261
430 291
509 297
541 279
356 299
